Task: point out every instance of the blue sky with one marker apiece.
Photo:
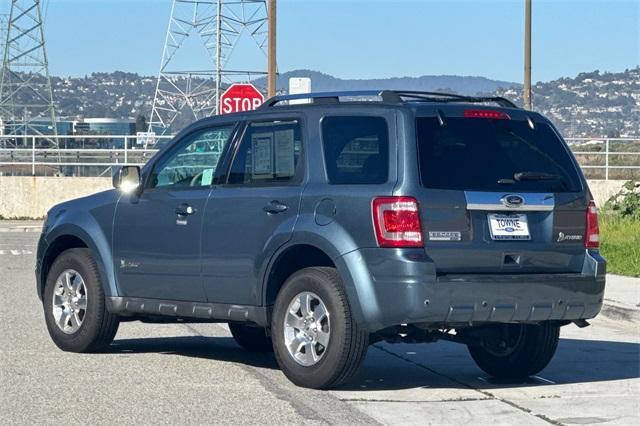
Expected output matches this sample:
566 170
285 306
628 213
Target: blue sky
369 38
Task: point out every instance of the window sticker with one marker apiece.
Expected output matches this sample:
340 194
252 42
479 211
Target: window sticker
285 156
262 154
207 177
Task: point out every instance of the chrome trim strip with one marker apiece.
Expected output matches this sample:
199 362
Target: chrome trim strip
491 201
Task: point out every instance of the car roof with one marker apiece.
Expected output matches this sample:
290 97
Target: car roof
419 102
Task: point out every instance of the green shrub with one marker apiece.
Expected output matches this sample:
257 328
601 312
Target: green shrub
626 203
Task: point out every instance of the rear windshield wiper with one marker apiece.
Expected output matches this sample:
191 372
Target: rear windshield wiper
532 176
522 176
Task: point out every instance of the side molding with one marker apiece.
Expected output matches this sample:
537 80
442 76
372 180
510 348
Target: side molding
134 306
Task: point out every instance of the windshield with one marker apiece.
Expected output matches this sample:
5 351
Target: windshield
479 154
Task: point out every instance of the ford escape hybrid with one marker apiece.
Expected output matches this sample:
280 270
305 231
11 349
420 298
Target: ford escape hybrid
316 229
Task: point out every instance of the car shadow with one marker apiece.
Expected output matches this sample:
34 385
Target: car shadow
449 365
408 366
212 348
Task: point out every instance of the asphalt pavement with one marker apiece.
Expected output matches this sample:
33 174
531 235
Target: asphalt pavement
196 374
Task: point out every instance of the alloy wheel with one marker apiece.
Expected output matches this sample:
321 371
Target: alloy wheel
69 302
307 328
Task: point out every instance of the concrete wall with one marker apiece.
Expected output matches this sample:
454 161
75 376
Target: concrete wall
602 190
31 197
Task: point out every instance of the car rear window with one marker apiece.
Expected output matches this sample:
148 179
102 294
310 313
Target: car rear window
356 149
493 155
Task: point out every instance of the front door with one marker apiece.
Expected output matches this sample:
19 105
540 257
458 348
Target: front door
254 212
157 232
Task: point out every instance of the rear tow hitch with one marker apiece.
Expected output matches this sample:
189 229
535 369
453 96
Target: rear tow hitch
581 323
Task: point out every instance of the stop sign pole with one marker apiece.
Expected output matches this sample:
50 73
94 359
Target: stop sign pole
240 97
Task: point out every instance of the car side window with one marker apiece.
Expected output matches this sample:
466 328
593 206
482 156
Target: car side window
194 162
269 153
356 149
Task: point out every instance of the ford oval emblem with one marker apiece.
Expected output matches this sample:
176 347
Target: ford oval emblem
512 200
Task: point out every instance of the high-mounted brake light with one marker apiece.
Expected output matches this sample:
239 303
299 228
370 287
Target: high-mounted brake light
396 221
486 113
592 239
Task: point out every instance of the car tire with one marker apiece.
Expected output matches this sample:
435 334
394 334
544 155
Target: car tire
74 304
253 339
329 346
516 350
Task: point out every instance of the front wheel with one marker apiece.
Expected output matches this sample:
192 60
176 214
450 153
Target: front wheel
515 350
74 304
316 341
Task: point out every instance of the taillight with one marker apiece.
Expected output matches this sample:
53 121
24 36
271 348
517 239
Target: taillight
397 222
486 113
592 239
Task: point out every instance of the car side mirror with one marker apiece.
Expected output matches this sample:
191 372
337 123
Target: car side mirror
127 179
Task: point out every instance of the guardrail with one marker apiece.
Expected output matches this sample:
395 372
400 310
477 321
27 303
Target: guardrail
607 158
77 155
95 155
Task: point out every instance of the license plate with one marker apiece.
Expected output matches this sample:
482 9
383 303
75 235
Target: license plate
508 226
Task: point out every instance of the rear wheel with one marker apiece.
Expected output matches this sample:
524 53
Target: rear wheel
516 350
253 339
74 304
316 341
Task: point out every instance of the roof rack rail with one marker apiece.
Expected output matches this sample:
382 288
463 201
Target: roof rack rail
451 97
389 96
330 97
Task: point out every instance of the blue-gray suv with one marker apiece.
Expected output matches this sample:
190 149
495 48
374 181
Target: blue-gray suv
317 228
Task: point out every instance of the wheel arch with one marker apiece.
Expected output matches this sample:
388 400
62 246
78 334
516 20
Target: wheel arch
69 236
305 251
286 262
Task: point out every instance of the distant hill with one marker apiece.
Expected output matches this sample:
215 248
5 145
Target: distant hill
458 84
592 104
589 104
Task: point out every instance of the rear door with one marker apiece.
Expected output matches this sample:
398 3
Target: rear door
500 194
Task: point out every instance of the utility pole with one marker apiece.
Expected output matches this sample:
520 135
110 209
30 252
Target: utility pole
527 55
218 54
271 86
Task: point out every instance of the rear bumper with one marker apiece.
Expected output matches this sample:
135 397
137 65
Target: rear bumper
513 298
402 288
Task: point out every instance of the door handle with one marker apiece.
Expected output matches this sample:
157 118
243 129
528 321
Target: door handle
185 210
275 207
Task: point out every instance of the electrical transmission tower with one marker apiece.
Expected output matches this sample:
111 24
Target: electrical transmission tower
26 96
4 19
183 94
3 34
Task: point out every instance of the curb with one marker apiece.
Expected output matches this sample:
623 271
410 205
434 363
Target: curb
617 311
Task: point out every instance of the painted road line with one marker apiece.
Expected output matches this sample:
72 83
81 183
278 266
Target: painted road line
15 252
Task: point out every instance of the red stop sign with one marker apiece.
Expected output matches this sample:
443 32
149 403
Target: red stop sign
240 97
